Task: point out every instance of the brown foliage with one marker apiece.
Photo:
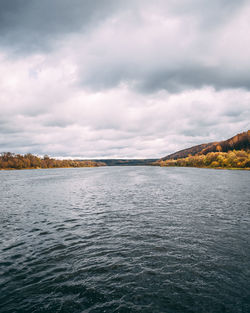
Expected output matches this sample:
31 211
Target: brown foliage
230 159
10 160
238 142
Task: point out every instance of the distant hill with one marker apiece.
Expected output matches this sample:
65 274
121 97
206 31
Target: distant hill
125 162
238 142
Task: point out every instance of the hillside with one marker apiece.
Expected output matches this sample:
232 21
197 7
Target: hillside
125 162
239 142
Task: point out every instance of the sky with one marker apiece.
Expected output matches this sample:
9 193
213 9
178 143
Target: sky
122 79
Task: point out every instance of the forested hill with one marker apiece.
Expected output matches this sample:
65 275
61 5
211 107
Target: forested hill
238 142
126 162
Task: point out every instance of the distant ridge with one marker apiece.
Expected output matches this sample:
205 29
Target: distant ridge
125 162
238 142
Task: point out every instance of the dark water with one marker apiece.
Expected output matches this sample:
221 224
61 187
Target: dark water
125 239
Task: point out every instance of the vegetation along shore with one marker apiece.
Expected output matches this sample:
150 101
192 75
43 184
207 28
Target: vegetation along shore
228 160
10 161
233 153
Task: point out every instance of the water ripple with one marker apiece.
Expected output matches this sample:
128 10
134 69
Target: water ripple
124 239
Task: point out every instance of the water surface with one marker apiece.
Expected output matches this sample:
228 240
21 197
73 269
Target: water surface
125 239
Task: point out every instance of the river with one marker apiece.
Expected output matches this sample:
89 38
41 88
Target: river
125 239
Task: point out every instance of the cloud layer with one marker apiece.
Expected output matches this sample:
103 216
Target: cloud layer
96 79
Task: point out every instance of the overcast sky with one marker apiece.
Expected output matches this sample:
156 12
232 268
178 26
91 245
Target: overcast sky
126 79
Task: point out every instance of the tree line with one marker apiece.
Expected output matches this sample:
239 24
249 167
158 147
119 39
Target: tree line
230 159
10 160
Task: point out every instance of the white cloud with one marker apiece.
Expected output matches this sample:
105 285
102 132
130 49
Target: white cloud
145 81
69 121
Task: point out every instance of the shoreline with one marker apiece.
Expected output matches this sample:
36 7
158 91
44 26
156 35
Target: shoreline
44 168
211 168
153 165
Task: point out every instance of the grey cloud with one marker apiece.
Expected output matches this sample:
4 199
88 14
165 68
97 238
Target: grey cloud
209 14
160 124
57 122
32 26
6 128
196 57
171 79
194 77
27 26
113 78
